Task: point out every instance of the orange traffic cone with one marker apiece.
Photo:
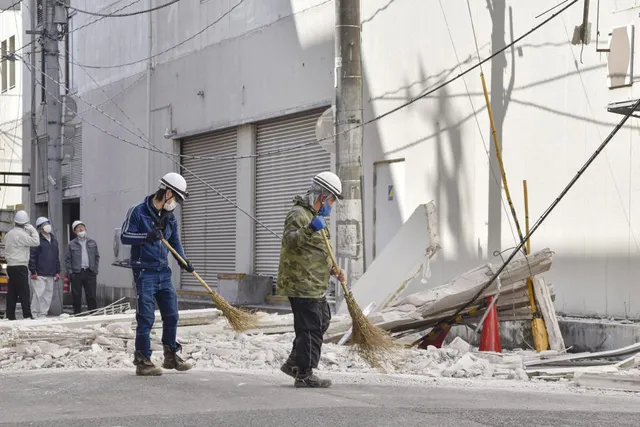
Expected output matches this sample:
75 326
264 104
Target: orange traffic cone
490 339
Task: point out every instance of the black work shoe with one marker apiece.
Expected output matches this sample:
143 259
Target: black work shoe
289 369
311 381
144 366
173 361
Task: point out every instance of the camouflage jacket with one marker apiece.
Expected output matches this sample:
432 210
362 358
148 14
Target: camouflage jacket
305 264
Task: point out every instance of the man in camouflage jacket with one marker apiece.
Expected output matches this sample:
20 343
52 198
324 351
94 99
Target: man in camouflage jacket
303 276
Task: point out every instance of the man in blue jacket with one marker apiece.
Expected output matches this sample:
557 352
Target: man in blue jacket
44 264
144 227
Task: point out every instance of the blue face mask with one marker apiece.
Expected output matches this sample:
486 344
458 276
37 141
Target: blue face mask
325 209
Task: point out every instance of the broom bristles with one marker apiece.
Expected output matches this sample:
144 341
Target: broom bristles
371 342
240 320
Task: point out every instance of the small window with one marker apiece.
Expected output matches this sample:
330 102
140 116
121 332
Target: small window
12 62
5 71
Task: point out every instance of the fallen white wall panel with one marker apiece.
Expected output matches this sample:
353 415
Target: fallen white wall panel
400 261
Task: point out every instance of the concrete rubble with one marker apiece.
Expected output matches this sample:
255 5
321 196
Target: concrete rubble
215 346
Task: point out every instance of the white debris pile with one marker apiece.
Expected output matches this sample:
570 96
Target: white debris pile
216 347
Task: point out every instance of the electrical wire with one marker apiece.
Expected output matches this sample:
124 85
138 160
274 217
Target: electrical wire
331 137
475 115
88 24
155 148
224 15
542 218
10 7
121 15
140 134
593 116
400 107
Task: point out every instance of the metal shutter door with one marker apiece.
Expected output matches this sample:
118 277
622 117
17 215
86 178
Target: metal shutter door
208 221
280 177
72 172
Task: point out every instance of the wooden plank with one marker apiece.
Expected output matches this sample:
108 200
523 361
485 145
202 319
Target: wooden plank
548 310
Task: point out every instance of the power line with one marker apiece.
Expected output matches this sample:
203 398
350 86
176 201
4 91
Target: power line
475 116
10 7
140 133
121 15
103 17
224 15
155 148
375 119
413 100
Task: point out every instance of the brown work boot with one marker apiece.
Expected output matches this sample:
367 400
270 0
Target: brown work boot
144 366
173 361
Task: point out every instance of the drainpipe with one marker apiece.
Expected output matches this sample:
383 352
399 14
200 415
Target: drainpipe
149 70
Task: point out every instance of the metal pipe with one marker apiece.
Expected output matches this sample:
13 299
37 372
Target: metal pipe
149 69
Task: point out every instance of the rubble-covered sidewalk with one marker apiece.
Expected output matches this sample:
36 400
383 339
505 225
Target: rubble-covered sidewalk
105 344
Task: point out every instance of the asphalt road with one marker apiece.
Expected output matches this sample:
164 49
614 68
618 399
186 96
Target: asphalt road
200 398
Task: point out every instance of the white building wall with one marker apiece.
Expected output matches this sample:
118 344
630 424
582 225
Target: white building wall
11 113
549 99
266 59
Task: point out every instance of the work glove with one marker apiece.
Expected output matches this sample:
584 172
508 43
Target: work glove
189 267
154 235
57 277
318 223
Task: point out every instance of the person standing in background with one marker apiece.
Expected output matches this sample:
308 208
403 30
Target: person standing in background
82 262
44 264
17 243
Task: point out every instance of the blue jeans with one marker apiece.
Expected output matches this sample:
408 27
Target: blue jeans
154 285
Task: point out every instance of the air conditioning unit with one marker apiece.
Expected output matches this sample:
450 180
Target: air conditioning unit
121 253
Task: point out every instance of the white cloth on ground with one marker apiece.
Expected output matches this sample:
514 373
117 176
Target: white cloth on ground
42 294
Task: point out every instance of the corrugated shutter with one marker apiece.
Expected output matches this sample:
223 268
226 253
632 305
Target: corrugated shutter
209 221
281 177
72 171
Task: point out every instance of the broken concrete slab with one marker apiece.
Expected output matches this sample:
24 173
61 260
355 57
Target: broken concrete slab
608 381
400 262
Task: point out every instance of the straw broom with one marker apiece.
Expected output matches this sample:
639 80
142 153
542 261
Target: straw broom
370 341
239 320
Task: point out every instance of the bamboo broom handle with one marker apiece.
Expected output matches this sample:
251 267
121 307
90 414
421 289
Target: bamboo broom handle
177 255
333 259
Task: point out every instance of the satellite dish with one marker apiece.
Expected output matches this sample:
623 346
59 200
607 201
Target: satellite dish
324 131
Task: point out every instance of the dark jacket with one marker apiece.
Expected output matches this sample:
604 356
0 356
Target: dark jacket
142 219
44 260
73 257
305 265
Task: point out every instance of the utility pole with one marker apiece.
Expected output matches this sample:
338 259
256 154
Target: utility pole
55 14
348 103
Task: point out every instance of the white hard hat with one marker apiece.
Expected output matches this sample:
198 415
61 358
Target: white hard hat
330 182
77 223
176 183
41 221
21 218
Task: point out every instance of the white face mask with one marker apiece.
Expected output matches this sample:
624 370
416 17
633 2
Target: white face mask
170 205
82 234
47 228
